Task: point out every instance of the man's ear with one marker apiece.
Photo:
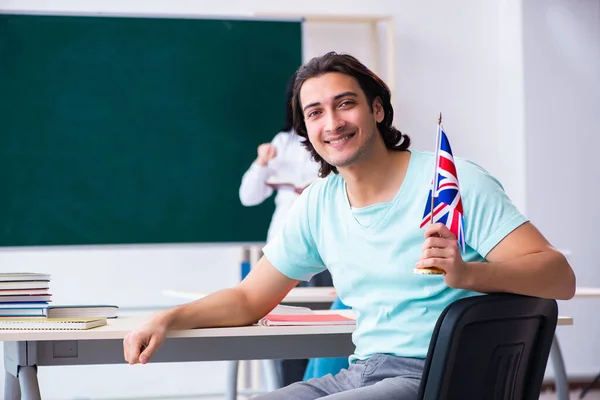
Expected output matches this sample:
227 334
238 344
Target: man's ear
378 110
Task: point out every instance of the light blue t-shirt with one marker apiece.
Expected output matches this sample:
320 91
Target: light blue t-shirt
371 252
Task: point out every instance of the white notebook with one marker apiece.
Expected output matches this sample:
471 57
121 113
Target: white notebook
50 323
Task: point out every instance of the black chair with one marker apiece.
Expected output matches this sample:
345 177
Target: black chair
490 347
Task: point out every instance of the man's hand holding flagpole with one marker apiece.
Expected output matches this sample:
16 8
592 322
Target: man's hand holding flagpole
445 204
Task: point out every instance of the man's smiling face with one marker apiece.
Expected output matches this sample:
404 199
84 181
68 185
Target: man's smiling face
340 122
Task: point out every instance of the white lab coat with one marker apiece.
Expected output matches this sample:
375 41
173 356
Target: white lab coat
292 164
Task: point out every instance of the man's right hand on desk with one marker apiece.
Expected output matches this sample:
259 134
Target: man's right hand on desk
139 345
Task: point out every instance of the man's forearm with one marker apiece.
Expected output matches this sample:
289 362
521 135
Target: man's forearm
227 307
544 274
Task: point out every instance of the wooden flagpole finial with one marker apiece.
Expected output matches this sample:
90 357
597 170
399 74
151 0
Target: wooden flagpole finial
440 119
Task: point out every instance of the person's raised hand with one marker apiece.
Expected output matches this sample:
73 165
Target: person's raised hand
266 152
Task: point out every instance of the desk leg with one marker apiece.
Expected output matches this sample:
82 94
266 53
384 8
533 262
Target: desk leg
232 380
560 374
30 389
12 391
20 360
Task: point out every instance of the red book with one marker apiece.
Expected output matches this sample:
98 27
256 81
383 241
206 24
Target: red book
305 319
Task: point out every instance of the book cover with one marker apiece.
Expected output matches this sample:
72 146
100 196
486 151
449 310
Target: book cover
50 323
305 319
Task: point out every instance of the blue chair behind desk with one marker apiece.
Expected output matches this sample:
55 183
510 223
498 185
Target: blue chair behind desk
490 347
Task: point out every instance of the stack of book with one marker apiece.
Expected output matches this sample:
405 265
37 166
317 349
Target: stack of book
24 294
24 304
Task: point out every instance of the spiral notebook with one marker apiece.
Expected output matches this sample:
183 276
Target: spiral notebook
50 323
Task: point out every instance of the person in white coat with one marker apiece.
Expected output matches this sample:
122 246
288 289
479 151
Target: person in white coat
284 165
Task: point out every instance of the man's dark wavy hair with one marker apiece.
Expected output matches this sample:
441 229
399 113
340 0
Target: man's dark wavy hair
370 84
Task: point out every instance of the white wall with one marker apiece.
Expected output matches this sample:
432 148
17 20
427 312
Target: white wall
561 42
463 58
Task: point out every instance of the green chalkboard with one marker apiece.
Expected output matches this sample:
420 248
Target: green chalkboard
121 130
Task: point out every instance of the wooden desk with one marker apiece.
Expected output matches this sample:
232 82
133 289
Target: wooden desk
24 351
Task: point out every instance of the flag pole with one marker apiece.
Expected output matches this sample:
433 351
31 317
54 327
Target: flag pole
434 270
437 161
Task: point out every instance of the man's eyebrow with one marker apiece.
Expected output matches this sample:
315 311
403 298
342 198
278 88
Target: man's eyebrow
336 97
311 105
339 96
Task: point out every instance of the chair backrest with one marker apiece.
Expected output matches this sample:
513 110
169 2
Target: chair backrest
492 347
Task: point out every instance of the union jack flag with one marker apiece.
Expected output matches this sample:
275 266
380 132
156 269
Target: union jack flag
447 204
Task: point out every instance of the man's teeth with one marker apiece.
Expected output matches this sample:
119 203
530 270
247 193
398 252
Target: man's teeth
340 140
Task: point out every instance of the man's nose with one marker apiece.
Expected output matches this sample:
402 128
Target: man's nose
334 122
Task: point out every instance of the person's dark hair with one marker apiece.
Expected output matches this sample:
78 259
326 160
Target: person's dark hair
288 123
372 86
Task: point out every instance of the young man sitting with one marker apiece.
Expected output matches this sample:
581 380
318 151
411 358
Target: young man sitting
361 222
